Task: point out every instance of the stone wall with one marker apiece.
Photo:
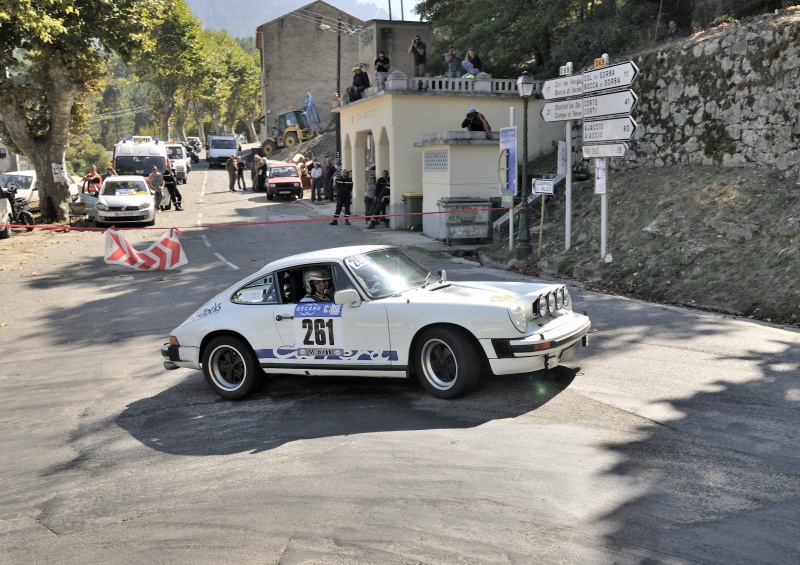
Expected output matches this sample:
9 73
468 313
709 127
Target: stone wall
727 97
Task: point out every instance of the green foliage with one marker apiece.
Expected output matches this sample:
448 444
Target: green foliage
84 152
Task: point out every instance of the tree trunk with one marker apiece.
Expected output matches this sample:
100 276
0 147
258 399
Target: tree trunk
200 133
48 149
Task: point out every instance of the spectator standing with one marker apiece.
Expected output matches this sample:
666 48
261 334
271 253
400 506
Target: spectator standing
254 171
240 174
262 174
230 166
418 50
453 60
110 172
471 64
171 183
344 194
382 69
475 121
673 31
370 192
316 182
328 172
381 201
92 181
360 84
157 183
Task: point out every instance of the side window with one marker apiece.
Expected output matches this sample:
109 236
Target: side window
260 291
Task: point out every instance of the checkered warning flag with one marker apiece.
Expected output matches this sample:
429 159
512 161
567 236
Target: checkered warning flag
164 254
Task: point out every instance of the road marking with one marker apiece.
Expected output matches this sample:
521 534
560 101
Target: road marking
221 258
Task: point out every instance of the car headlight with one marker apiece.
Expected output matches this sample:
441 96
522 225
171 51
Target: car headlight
551 302
541 305
101 206
518 318
297 184
144 205
559 298
566 299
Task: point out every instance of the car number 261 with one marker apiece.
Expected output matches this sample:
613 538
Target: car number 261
318 324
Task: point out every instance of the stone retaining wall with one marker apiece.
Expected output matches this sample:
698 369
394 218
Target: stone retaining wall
727 97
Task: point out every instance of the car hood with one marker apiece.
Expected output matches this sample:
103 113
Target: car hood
471 292
126 200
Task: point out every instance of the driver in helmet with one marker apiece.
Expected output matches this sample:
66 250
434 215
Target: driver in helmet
319 285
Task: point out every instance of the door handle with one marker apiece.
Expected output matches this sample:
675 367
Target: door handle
279 317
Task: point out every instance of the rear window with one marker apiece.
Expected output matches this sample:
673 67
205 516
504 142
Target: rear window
175 152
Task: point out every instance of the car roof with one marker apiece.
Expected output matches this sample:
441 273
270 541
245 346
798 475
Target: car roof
321 256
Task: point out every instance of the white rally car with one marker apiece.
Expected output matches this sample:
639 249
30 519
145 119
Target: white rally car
382 314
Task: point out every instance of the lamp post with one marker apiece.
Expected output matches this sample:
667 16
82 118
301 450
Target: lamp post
523 249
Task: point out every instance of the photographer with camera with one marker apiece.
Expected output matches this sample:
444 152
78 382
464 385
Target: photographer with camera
475 121
453 60
418 49
382 68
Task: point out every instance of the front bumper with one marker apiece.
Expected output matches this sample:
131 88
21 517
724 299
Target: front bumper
542 350
182 356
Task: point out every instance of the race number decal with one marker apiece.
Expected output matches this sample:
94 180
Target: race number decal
318 328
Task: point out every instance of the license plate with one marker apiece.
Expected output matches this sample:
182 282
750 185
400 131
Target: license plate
132 213
285 192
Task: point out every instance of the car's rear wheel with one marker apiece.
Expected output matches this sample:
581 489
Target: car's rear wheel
231 368
447 363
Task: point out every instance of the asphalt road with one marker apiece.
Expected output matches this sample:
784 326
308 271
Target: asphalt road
672 439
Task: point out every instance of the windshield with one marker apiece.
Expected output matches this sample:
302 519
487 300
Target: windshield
21 181
385 272
125 188
175 152
138 164
283 172
217 143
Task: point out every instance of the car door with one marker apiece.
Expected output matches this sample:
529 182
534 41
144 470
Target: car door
323 337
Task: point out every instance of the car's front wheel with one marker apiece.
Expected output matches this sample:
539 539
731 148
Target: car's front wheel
5 232
270 196
447 363
231 368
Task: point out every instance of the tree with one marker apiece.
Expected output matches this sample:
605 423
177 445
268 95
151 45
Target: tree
170 65
53 54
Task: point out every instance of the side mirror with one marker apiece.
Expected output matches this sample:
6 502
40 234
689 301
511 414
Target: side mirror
347 296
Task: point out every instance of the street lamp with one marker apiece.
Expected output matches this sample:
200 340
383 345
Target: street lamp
523 249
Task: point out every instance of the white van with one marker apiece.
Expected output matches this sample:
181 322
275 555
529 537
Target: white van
138 154
219 149
180 161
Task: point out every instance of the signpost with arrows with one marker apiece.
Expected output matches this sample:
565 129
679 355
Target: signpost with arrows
602 99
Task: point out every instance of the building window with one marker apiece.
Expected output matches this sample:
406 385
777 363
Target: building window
436 161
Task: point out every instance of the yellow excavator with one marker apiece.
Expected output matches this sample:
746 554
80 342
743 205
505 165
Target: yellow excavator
292 129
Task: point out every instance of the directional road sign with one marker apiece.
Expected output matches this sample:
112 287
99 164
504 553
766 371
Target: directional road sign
608 104
562 87
609 78
605 150
615 129
563 110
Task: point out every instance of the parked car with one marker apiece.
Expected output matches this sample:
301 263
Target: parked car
180 162
385 316
28 189
283 179
122 199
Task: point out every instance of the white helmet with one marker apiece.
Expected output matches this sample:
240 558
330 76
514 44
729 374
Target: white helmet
314 274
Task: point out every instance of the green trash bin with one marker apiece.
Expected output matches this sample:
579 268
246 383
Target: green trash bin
413 204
